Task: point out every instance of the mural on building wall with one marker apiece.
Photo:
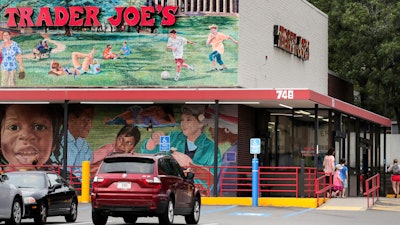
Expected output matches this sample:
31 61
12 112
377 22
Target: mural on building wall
228 143
129 43
29 134
35 140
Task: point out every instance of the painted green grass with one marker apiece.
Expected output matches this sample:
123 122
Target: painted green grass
148 59
141 69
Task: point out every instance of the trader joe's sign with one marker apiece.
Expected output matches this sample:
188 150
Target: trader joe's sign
290 42
88 16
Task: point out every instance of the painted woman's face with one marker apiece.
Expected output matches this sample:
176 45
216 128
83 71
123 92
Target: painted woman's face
190 126
124 144
26 135
6 36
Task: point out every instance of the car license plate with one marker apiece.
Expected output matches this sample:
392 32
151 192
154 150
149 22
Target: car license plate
124 185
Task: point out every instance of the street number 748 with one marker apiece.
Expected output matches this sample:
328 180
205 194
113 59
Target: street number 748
284 94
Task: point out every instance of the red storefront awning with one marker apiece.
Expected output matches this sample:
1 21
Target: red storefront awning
257 98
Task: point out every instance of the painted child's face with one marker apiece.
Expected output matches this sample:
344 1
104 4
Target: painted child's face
26 135
124 144
172 35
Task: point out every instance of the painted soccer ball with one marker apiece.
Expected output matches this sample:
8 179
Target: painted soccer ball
164 75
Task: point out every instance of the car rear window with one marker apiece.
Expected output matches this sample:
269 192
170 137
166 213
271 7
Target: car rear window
127 165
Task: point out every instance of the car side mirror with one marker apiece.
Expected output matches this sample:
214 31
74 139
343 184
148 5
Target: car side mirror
54 187
190 175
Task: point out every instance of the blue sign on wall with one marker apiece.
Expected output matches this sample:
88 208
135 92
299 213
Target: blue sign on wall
164 143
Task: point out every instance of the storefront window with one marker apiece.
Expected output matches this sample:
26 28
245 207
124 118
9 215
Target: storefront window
291 137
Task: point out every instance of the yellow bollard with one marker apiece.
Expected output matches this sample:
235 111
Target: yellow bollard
85 192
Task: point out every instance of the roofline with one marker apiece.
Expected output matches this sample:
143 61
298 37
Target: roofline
181 95
349 109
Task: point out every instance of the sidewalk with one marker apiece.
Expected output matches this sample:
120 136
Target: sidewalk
347 204
360 204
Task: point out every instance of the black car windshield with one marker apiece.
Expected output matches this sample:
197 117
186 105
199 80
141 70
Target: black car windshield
26 180
128 165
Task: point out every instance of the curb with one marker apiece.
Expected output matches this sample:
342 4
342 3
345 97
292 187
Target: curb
270 201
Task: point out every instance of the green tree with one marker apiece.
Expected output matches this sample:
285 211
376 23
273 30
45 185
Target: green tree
364 48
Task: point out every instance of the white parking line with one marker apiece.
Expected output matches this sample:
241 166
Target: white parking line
218 210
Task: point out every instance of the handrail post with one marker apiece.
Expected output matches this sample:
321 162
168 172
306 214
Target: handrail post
301 179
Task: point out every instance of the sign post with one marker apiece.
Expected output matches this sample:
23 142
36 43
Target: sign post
255 148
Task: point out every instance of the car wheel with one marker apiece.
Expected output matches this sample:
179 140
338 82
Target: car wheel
194 217
16 213
167 218
42 217
73 213
130 219
98 218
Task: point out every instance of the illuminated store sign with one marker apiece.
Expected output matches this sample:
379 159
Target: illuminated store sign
88 16
291 43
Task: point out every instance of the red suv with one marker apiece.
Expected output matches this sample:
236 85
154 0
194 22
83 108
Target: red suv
142 185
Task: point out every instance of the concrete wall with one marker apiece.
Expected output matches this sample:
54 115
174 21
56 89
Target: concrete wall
392 148
282 69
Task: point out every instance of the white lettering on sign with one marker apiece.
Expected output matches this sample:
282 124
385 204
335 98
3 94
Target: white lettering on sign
284 94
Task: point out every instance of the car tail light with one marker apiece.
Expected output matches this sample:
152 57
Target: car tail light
97 182
155 182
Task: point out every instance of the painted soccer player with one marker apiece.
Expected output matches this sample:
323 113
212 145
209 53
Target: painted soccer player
175 44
